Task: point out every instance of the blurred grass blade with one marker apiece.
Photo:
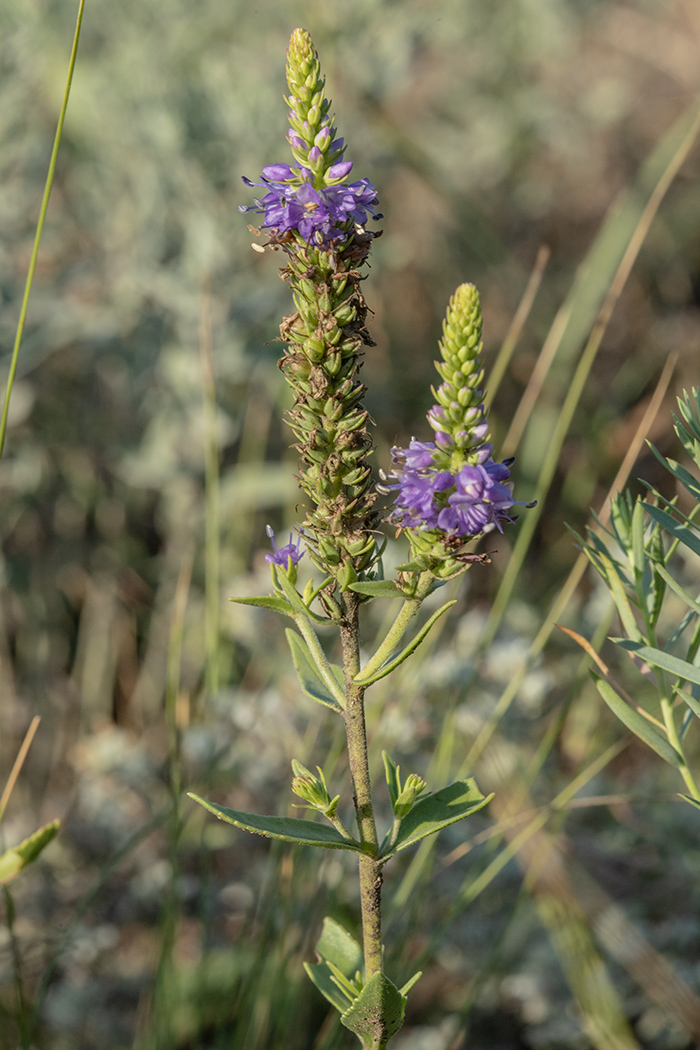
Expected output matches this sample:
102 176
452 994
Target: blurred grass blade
513 334
619 244
18 763
39 229
609 259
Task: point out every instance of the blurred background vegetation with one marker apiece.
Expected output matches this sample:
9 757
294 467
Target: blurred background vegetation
492 131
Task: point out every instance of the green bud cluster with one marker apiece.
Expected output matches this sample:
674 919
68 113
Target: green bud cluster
313 790
310 124
459 411
411 790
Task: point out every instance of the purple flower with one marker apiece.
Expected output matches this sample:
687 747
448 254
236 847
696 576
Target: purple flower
282 555
292 203
479 502
472 502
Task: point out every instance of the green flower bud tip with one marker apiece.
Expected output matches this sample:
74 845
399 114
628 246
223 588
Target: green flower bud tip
312 790
413 787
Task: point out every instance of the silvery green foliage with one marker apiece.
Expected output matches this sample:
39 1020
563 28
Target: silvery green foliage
637 559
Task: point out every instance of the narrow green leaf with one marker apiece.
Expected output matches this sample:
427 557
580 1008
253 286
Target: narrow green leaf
13 860
683 533
677 589
679 472
621 600
309 677
392 777
437 811
289 829
377 589
377 1012
404 653
693 801
268 602
409 984
322 976
689 699
637 723
657 657
638 539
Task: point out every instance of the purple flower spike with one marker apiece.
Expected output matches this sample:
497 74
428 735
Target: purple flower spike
283 555
469 503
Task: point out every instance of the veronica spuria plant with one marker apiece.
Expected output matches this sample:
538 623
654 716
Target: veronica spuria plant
448 492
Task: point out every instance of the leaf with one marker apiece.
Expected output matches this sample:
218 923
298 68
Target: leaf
377 1013
682 533
659 658
322 976
404 653
378 589
679 472
689 699
637 723
411 981
338 946
677 589
693 801
621 600
309 676
335 948
289 829
13 860
392 777
436 811
268 602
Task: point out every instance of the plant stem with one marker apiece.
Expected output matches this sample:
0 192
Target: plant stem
356 730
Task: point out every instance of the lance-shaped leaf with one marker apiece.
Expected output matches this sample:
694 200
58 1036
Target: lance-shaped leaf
309 675
677 589
659 658
690 699
436 811
365 679
267 602
13 860
337 951
637 723
683 533
289 829
693 801
377 1013
378 589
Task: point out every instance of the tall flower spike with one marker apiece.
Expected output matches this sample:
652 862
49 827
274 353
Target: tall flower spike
318 219
451 490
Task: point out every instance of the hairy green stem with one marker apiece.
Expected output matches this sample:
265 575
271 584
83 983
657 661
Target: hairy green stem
406 613
356 730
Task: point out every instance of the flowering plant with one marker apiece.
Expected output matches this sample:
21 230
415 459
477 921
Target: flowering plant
447 493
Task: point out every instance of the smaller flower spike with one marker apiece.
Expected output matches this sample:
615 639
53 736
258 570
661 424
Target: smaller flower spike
282 555
452 490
